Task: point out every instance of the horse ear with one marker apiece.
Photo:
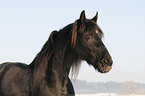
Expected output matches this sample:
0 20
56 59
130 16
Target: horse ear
82 16
95 17
53 36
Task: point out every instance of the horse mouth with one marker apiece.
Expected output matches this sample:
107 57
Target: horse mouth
104 68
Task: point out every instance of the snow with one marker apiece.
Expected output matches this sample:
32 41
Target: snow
105 94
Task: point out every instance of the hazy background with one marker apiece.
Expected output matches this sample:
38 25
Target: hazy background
25 26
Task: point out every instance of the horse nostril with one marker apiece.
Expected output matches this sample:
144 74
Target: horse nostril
105 61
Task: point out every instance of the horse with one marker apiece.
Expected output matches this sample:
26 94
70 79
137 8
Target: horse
47 74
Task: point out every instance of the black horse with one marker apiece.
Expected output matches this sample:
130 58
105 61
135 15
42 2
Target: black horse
47 75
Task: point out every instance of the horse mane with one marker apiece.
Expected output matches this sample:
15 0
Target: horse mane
74 35
77 27
42 59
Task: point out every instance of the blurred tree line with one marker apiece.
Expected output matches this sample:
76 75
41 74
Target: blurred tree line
128 87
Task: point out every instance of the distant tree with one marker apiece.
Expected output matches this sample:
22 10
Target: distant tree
128 87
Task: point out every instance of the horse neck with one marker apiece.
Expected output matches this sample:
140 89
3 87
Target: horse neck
42 61
64 57
62 60
55 62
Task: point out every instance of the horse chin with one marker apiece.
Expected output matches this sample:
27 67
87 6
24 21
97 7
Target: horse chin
103 68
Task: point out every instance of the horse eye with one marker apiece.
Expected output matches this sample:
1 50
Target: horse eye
97 31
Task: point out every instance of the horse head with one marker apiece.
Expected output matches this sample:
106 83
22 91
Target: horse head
87 41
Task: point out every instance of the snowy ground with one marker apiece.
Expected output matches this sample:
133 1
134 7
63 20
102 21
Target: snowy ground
105 94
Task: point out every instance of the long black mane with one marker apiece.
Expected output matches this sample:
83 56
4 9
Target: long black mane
39 64
47 52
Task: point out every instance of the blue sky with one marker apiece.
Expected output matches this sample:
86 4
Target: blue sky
25 26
